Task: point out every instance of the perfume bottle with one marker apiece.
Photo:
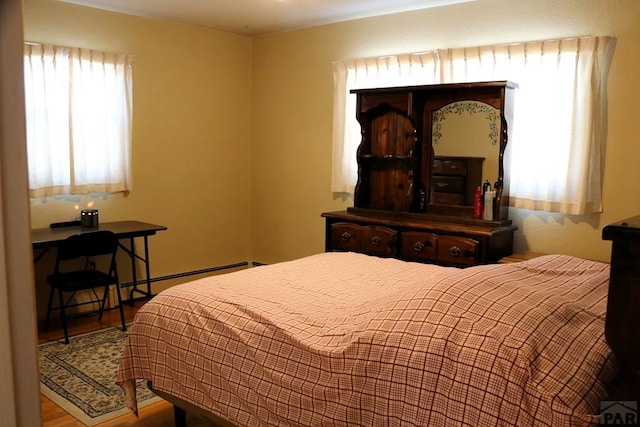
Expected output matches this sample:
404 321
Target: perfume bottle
477 203
486 187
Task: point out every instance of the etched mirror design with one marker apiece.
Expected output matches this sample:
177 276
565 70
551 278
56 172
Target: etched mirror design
468 129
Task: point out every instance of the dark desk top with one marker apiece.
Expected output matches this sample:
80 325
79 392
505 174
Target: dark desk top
46 237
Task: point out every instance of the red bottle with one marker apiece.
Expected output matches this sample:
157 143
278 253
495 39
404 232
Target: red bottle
477 203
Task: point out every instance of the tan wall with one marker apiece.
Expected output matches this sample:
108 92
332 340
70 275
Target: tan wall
293 92
232 135
191 133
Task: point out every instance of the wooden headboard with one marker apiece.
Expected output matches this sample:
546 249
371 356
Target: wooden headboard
622 328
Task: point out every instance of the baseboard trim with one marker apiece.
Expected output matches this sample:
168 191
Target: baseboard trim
187 273
258 264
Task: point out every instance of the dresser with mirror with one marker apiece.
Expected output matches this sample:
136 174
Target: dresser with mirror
424 152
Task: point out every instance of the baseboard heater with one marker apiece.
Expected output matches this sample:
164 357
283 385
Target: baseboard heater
187 274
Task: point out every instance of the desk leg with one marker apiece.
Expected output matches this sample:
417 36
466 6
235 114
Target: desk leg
131 251
40 255
132 245
146 264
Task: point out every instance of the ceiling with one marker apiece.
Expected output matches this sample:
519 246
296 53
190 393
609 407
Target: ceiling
258 17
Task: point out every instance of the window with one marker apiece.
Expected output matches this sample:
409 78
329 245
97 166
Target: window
558 130
79 114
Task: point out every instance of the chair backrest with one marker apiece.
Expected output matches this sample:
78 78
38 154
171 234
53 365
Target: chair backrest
88 244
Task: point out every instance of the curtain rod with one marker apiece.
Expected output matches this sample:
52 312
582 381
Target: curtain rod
26 42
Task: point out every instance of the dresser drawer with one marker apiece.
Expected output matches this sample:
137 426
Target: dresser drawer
419 238
371 239
346 236
417 245
447 199
450 167
457 250
377 240
448 184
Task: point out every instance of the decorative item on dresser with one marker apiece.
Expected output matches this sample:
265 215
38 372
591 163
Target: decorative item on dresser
424 152
622 328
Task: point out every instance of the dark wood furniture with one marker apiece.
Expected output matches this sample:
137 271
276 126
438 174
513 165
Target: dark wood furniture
417 237
44 239
622 328
410 201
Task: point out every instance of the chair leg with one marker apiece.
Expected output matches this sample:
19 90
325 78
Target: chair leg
103 302
49 305
63 317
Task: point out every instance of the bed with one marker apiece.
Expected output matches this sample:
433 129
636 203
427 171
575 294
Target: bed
342 338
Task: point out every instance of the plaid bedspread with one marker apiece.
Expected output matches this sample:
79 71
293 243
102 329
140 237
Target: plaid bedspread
345 339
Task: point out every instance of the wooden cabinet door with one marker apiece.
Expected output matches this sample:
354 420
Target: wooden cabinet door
390 168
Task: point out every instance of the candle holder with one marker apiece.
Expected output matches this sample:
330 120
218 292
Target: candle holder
89 218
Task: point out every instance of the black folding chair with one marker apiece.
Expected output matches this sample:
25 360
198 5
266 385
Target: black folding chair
84 261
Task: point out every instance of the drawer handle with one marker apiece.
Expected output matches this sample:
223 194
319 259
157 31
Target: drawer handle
442 201
442 184
346 236
419 247
453 167
375 241
455 251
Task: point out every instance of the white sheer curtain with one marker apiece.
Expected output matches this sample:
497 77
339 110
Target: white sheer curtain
401 70
79 115
559 117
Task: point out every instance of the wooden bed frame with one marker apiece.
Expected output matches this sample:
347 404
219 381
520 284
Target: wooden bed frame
181 407
622 327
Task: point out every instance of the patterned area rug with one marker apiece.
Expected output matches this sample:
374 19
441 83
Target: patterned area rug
80 377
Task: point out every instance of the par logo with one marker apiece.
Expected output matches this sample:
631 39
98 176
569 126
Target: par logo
619 412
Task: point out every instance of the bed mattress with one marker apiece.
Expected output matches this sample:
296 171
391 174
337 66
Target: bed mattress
340 339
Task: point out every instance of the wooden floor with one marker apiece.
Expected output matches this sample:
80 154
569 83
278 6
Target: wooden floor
154 415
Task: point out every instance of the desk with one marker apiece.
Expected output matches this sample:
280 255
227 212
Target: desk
47 238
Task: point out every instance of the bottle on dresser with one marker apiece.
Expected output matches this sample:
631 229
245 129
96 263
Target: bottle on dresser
477 203
489 196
